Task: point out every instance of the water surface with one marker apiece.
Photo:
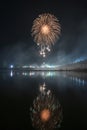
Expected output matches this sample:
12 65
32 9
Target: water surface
18 89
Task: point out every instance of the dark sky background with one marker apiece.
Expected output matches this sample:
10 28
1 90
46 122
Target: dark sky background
16 43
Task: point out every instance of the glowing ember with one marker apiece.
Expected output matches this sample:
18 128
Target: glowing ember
45 115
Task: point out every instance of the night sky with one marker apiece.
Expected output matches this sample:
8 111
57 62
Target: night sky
16 43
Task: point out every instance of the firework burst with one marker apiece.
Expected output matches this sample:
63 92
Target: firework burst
46 30
46 112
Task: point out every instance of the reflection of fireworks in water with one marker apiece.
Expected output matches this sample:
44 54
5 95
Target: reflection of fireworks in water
46 112
45 30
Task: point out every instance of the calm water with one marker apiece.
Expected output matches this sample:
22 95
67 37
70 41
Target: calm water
18 90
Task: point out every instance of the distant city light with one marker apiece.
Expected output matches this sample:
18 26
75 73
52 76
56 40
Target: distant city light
43 66
11 66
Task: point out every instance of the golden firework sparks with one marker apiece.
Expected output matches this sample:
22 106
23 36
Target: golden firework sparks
46 111
45 31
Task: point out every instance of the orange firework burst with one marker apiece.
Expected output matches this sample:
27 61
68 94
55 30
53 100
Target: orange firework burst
46 30
46 111
45 115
